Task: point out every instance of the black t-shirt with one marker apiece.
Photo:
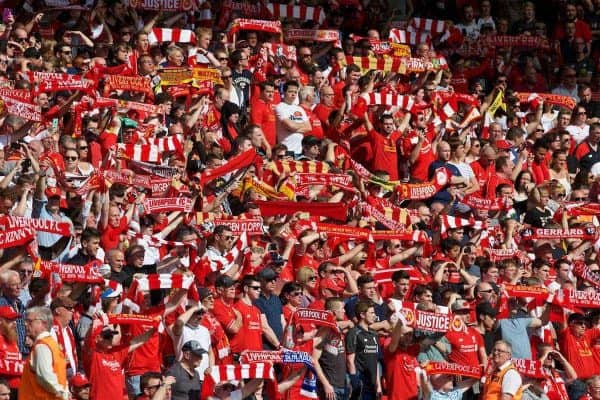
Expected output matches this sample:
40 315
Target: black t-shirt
333 360
365 346
538 218
241 81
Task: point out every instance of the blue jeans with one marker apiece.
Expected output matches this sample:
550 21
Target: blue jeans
133 386
341 393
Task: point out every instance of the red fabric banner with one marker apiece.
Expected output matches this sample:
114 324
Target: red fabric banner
22 95
253 226
44 225
422 191
530 368
89 273
540 293
164 5
556 99
16 237
167 204
133 319
240 161
315 35
587 233
30 112
316 317
127 83
243 24
445 368
339 180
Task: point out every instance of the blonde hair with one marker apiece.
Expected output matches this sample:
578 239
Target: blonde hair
304 273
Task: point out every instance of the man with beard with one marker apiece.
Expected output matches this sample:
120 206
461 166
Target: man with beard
9 351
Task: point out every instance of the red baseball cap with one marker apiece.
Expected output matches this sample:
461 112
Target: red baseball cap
79 380
8 312
503 145
53 191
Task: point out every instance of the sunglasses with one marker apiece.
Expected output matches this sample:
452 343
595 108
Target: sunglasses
257 288
312 278
82 147
295 294
579 198
223 59
228 237
71 158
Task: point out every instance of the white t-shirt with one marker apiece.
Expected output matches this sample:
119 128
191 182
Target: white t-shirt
512 381
199 334
292 140
579 134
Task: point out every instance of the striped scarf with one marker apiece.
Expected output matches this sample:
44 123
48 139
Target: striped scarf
159 35
302 12
407 37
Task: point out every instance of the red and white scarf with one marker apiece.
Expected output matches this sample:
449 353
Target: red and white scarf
407 37
167 204
160 35
139 152
302 12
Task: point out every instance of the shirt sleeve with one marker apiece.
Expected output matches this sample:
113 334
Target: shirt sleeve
42 365
511 382
351 341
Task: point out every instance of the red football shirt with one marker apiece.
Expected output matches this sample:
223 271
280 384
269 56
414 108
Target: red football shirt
110 235
148 357
465 346
249 337
401 373
263 115
106 373
581 353
385 155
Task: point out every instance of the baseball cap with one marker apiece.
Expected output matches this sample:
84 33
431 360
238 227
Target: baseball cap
62 301
310 140
224 281
79 380
275 259
203 293
8 312
332 285
576 317
195 347
53 191
459 305
485 308
503 145
267 274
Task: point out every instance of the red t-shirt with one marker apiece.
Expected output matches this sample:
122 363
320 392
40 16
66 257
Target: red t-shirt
148 357
106 373
465 346
322 112
420 169
249 337
110 235
493 183
9 352
263 115
482 174
223 313
581 353
315 122
385 155
401 373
